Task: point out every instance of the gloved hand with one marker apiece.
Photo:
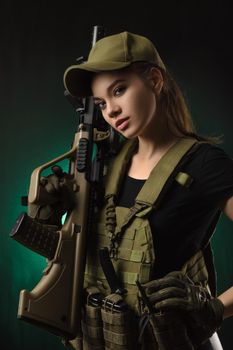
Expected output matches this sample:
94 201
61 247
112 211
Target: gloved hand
177 292
56 196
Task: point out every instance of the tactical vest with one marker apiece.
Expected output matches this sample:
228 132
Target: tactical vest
127 233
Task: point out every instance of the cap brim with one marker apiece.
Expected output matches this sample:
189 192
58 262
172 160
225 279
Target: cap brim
77 78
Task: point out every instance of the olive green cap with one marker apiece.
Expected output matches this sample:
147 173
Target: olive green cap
110 53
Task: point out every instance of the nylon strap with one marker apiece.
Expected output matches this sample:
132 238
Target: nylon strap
117 169
161 172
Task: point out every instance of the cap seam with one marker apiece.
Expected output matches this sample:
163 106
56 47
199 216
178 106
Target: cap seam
124 42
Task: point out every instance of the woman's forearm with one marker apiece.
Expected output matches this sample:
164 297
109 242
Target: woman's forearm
227 300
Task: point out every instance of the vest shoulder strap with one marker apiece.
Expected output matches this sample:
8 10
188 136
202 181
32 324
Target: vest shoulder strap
117 168
162 171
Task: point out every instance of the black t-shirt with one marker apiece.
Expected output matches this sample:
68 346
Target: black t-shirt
181 223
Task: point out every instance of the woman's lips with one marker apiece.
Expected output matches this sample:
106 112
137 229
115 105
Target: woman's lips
122 124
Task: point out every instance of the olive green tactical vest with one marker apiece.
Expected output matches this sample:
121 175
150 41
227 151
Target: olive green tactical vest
126 231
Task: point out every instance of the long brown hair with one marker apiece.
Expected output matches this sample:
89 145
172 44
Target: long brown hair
173 105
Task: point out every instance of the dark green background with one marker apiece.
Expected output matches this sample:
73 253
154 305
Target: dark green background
38 40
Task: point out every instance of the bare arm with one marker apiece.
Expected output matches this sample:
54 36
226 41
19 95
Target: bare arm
227 300
227 208
227 297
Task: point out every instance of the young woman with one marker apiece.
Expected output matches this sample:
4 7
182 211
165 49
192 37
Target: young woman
139 99
164 193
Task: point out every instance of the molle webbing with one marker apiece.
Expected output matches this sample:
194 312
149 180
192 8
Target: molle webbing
116 326
92 325
135 258
196 269
92 328
106 329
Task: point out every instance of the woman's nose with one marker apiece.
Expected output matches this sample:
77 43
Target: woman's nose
114 110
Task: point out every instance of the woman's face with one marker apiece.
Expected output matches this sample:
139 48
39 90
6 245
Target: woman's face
127 102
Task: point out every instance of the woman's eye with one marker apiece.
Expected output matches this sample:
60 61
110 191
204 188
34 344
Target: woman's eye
101 105
119 90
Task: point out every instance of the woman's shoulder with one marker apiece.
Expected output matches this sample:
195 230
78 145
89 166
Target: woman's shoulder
208 153
212 168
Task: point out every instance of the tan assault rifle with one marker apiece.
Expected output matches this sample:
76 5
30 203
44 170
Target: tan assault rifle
55 302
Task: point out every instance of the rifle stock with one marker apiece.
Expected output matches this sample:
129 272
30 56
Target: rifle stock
55 302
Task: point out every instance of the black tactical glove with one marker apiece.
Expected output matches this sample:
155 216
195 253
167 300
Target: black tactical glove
56 196
177 292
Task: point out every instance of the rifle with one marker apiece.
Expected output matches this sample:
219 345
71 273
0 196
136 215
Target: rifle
55 302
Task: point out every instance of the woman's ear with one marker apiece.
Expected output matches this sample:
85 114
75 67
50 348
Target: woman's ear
156 79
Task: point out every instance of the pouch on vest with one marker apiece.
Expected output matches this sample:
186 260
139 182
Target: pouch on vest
92 325
117 325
